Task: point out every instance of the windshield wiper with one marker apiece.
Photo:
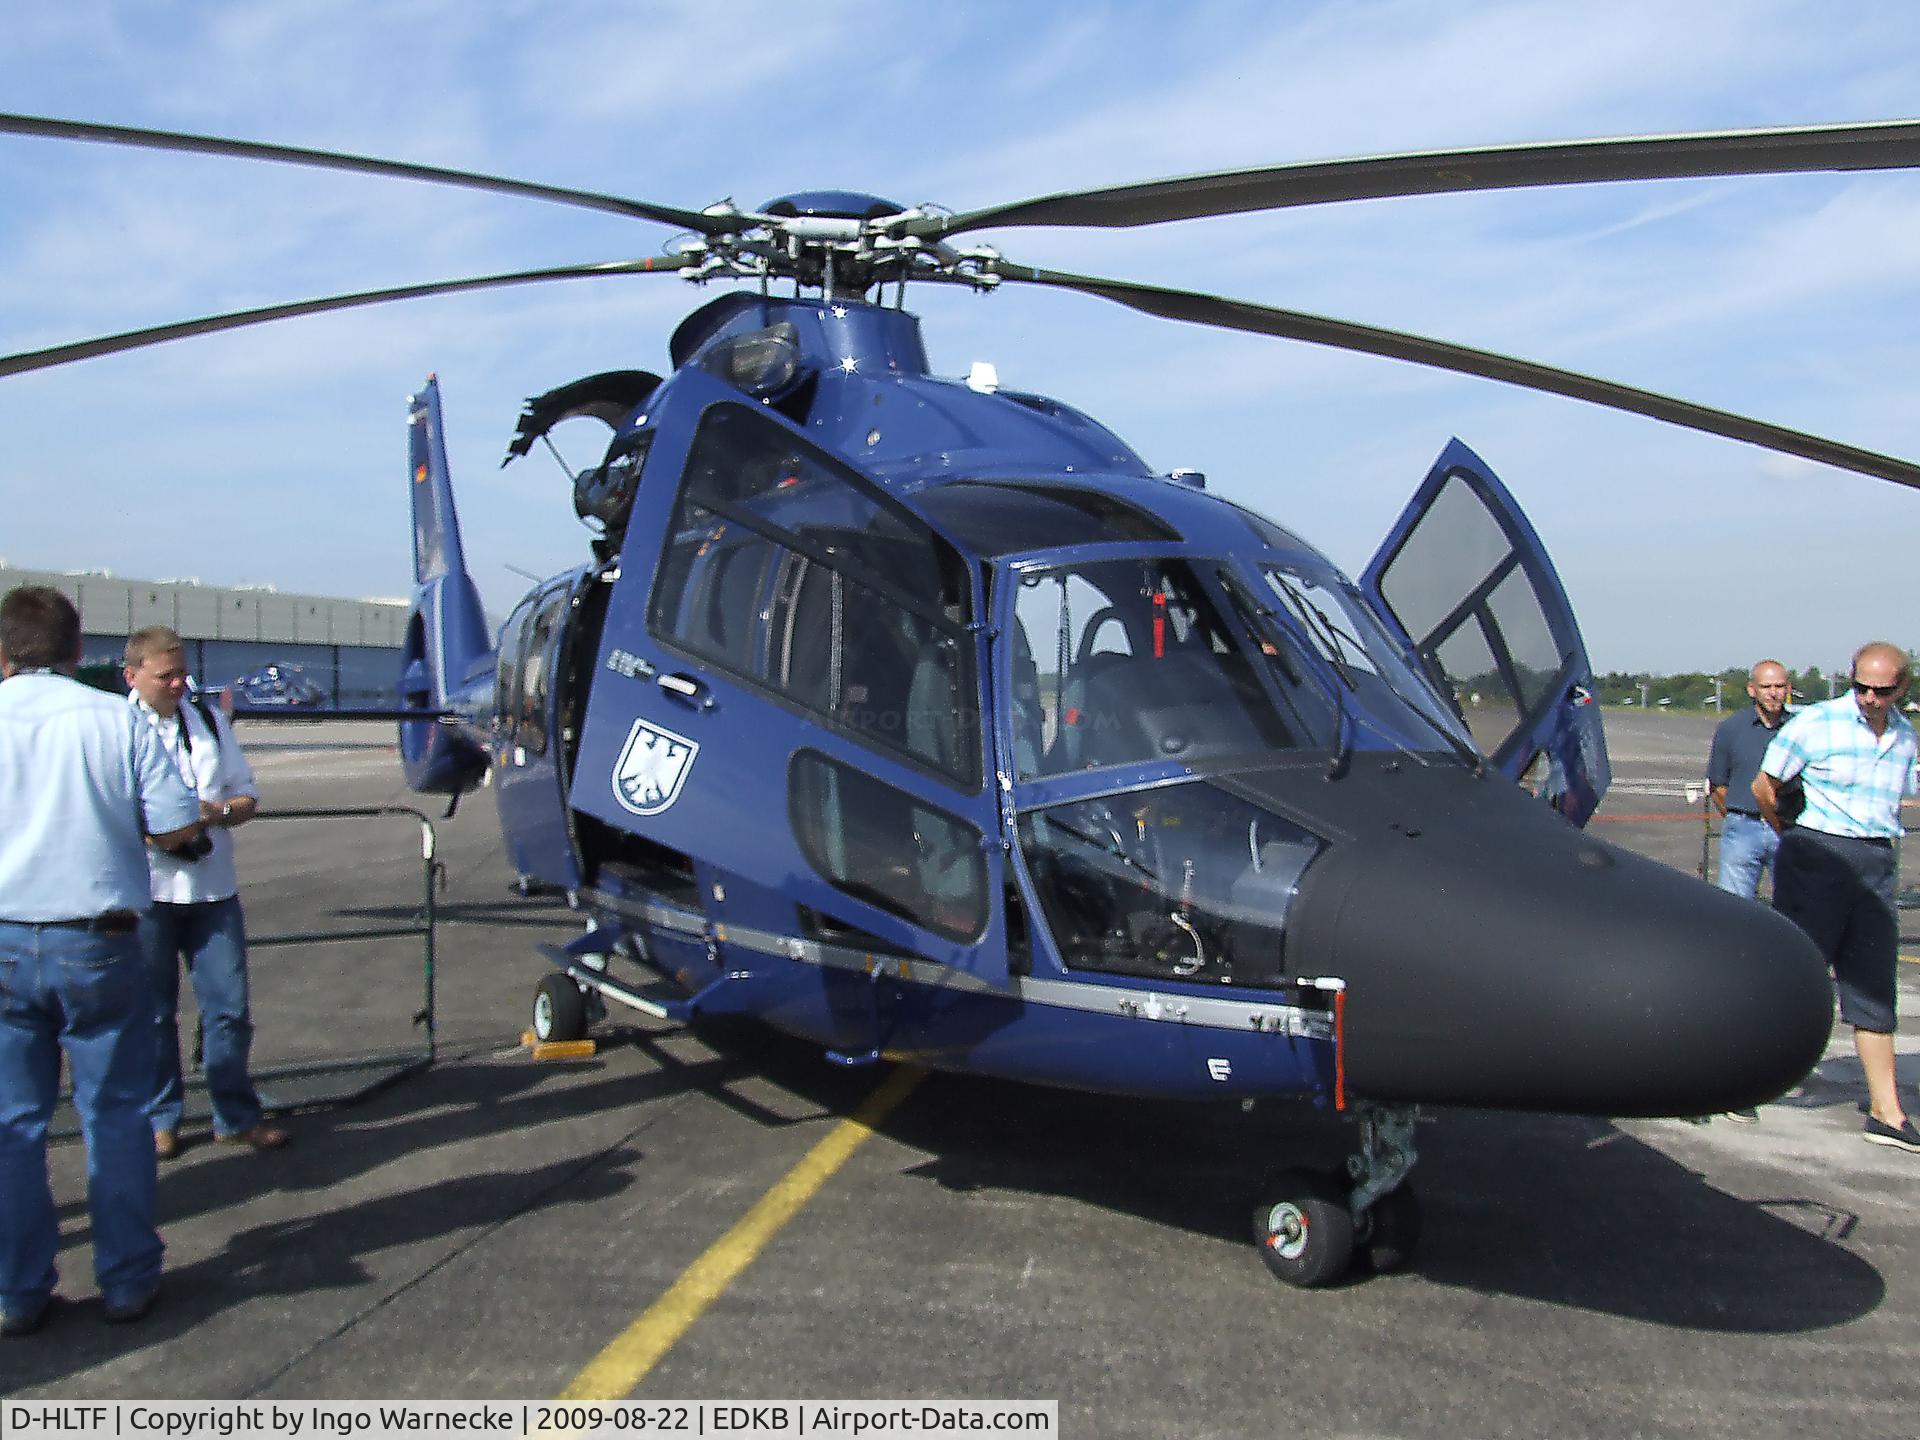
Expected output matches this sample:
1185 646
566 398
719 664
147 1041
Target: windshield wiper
1258 618
1314 620
1264 621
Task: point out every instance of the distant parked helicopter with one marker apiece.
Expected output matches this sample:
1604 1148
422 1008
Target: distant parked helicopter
918 717
275 686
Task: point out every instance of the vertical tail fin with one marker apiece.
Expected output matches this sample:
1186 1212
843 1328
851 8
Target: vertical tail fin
436 526
447 649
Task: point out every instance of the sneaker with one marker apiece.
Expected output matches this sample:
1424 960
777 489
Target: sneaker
1748 1116
1905 1137
17 1323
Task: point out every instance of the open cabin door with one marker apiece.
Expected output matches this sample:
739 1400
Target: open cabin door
796 696
1464 580
529 738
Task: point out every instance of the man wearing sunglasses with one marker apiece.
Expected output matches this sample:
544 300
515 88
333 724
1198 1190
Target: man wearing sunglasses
1834 876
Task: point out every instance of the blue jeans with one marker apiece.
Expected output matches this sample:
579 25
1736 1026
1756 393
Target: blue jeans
87 994
210 937
1747 847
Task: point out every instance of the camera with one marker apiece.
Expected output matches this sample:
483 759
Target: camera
199 847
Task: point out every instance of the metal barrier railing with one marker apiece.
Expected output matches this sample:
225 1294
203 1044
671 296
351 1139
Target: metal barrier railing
1907 898
425 926
385 1068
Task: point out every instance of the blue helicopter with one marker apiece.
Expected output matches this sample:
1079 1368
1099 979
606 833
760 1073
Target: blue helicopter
920 718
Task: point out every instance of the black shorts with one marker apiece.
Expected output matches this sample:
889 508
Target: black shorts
1840 891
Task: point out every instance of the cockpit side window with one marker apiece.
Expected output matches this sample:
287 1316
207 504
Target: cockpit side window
1133 663
1182 882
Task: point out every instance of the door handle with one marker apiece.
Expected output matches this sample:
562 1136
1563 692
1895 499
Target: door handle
687 688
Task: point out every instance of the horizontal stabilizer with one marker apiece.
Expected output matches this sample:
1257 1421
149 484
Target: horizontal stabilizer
293 713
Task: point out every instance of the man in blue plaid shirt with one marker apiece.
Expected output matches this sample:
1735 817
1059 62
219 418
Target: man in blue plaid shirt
1854 759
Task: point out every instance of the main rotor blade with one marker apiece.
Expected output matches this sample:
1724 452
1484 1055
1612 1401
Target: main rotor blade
209 324
55 129
1255 319
1884 145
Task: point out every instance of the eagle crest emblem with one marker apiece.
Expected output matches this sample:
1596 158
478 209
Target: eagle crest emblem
652 768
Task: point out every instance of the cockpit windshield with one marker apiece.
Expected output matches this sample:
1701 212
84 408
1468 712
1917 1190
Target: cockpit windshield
1384 685
1123 662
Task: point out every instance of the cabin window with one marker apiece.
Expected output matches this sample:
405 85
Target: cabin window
1184 882
506 694
793 574
885 847
536 672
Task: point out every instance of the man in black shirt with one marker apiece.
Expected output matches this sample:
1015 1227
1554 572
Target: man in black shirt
1747 843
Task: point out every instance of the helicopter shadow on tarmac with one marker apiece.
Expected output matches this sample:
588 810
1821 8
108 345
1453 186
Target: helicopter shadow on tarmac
468 1101
1571 1212
307 1253
1568 1211
315 1249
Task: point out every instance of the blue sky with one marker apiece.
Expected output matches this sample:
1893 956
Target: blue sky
277 455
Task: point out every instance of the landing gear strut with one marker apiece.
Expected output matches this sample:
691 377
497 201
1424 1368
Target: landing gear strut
1311 1227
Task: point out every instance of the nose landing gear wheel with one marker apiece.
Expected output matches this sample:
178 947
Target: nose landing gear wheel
1304 1229
559 1010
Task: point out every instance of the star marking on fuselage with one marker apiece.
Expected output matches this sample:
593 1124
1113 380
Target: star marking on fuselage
849 364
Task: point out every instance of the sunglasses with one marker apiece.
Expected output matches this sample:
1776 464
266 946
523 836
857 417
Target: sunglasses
1885 692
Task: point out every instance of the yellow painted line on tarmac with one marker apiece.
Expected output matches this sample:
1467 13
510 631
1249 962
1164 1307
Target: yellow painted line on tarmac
615 1371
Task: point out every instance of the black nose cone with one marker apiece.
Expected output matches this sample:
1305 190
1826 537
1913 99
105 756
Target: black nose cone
1494 956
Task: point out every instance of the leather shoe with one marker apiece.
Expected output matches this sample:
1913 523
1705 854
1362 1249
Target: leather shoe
14 1324
125 1312
166 1144
263 1136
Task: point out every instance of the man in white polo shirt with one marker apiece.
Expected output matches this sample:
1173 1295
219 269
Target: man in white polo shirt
1854 758
196 905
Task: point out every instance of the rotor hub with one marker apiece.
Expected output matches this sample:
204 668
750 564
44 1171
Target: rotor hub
842 242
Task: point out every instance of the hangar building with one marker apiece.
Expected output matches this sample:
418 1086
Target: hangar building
349 648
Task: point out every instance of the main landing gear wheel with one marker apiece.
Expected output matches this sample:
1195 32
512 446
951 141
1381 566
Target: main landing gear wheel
1388 1236
559 1010
1304 1229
